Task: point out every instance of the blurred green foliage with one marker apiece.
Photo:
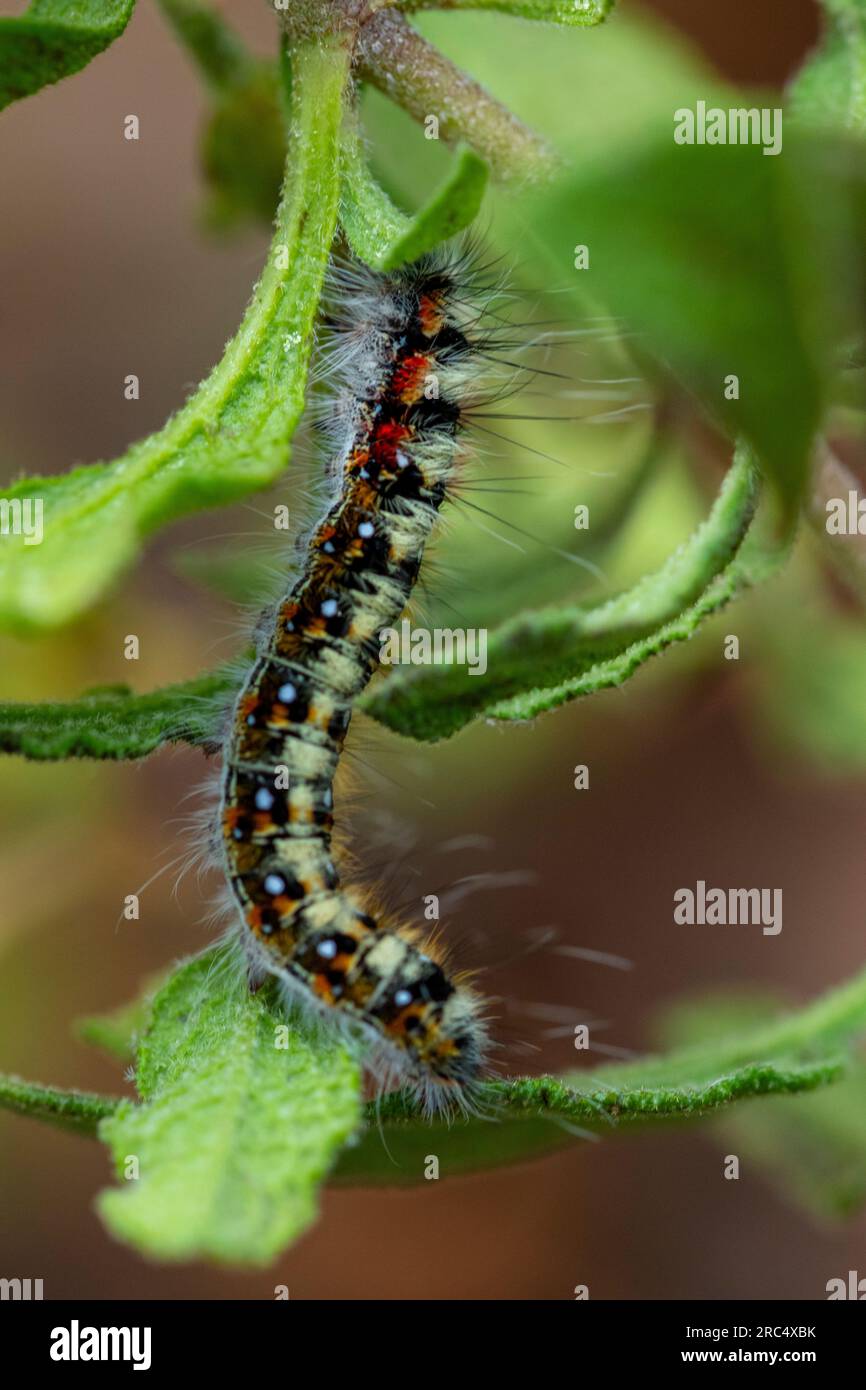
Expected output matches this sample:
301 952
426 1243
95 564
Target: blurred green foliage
243 151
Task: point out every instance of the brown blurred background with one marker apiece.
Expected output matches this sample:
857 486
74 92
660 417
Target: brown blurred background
105 272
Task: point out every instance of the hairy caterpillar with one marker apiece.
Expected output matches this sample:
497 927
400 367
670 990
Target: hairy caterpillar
409 347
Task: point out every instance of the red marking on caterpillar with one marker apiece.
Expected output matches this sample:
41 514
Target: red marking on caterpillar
409 348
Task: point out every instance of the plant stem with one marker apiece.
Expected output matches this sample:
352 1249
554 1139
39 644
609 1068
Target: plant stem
218 52
76 1110
403 65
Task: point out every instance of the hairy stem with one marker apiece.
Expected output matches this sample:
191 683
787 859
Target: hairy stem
403 65
80 1111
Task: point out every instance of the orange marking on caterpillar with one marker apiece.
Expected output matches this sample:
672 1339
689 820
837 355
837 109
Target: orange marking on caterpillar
410 376
431 313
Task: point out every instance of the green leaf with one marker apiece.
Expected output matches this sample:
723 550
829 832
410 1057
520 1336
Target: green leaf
53 39
79 1111
831 85
379 233
535 662
538 661
580 13
233 434
115 723
726 264
234 1133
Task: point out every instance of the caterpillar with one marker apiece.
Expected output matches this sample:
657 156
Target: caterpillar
408 347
